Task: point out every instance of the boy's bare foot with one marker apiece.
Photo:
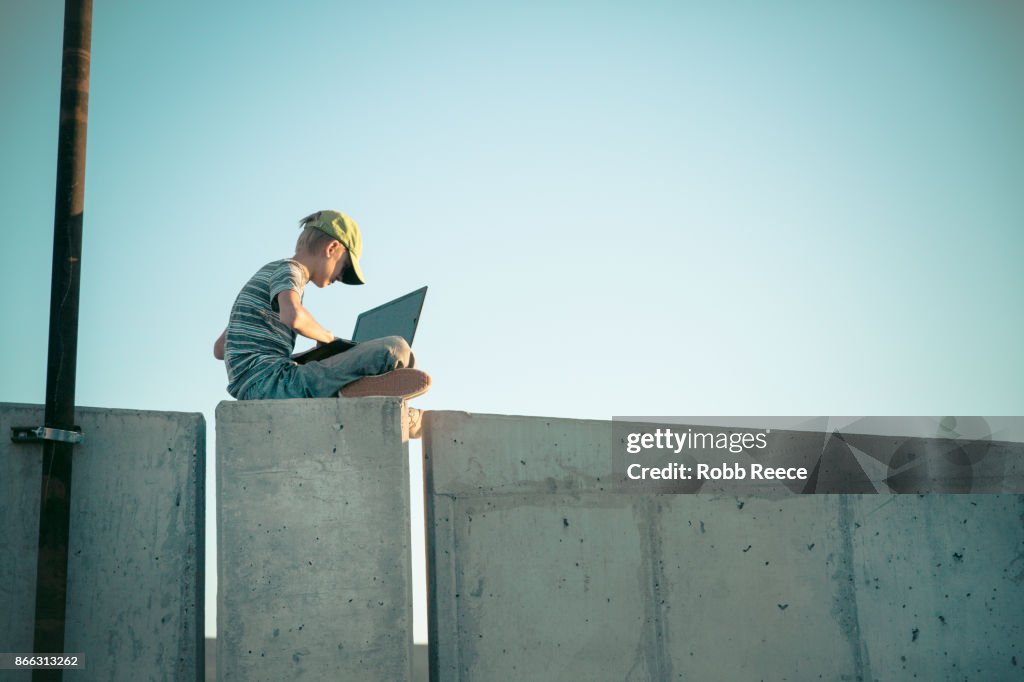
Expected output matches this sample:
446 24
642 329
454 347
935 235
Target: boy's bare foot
399 383
415 422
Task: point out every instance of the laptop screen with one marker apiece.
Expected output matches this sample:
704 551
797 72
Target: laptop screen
399 317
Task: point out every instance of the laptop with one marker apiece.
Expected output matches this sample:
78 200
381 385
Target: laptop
399 317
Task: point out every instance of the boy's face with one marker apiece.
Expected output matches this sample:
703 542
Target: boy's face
330 265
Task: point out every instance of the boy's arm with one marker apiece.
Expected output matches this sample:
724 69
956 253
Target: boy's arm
298 318
218 345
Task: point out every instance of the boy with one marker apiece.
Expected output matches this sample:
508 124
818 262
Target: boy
268 313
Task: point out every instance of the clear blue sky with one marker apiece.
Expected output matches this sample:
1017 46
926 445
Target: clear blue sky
620 208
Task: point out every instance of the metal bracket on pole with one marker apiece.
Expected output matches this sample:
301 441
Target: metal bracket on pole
38 434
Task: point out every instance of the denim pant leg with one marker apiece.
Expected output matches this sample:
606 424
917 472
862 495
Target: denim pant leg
326 377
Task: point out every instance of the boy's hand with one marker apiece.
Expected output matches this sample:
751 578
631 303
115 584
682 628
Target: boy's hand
218 345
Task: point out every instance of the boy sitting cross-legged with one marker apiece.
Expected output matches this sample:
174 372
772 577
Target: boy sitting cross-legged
268 313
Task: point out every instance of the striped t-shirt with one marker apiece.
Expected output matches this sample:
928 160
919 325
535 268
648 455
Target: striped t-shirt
258 346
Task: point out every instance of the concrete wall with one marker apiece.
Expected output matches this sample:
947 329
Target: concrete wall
135 569
314 574
538 571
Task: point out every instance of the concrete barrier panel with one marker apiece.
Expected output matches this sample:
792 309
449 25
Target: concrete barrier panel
314 567
539 571
135 568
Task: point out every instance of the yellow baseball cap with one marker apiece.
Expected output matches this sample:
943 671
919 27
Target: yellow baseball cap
344 229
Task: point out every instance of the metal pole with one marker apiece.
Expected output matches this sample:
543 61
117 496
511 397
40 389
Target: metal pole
55 498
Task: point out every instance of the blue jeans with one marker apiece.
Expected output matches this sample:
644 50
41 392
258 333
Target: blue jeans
323 379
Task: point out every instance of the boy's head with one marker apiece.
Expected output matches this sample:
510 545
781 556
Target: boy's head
333 242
